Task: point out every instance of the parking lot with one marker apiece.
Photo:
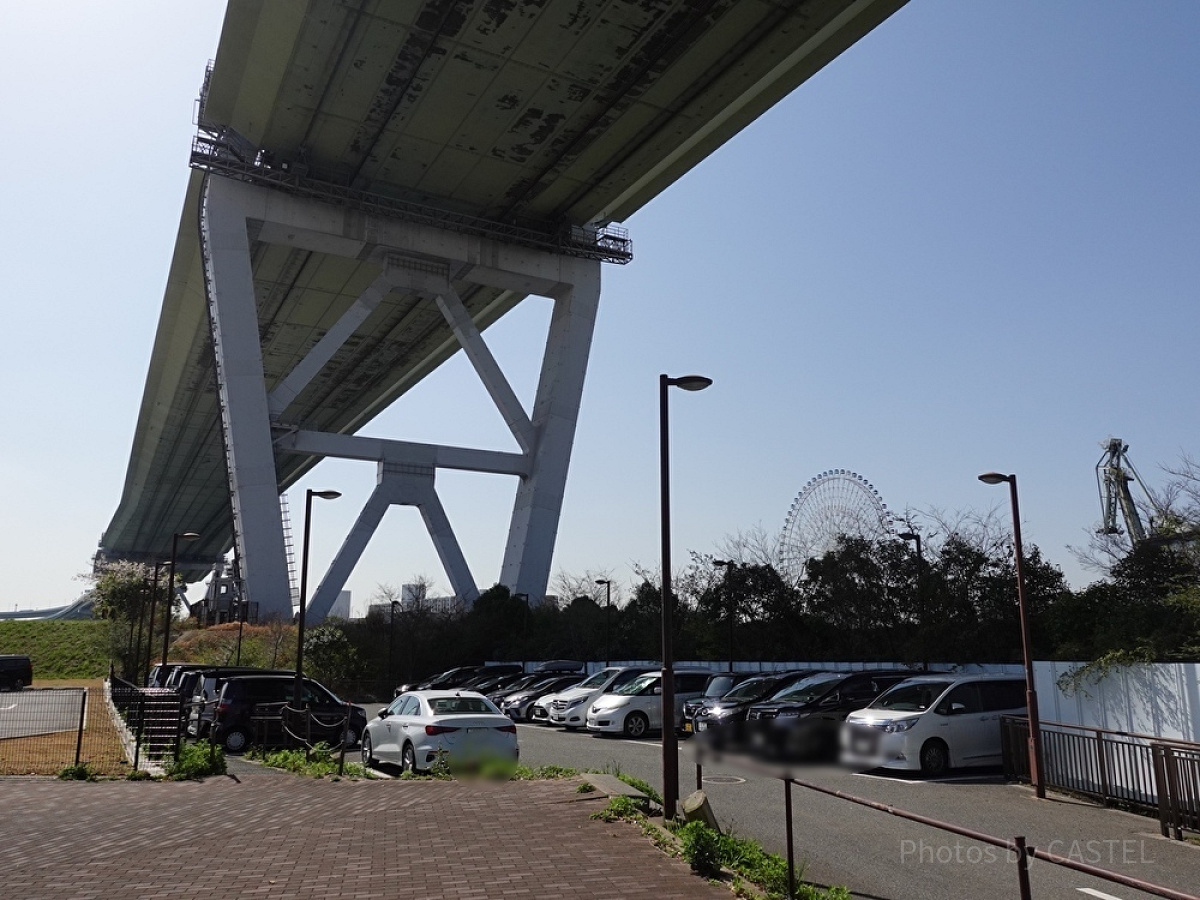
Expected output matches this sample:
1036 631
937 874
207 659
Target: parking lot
881 856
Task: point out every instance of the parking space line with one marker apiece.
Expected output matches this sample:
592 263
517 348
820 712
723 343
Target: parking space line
1092 892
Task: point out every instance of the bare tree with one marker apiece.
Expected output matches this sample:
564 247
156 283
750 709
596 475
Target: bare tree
569 585
752 546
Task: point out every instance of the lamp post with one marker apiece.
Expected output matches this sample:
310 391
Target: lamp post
916 538
150 625
170 601
729 565
524 631
607 615
1035 738
298 687
670 745
391 673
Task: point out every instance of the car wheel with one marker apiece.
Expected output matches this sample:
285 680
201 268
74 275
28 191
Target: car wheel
935 758
352 737
409 759
367 759
235 741
636 725
529 714
18 685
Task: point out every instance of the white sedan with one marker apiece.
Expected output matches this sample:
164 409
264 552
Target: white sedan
462 727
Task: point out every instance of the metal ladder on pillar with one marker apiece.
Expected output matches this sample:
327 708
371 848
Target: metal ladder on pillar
289 548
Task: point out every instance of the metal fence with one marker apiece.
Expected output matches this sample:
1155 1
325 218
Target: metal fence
1018 851
154 718
41 730
1139 772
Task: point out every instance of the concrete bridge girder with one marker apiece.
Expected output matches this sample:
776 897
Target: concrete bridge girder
417 259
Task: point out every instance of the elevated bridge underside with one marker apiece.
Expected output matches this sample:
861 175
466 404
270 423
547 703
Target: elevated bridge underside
524 123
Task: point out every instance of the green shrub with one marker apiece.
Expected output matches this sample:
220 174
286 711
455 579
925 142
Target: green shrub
78 772
321 761
525 773
619 808
701 848
196 761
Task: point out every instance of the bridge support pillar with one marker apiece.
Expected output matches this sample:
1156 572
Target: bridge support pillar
245 422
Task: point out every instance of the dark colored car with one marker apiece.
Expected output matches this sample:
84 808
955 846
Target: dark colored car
16 671
719 684
487 674
518 705
250 709
201 687
721 721
804 721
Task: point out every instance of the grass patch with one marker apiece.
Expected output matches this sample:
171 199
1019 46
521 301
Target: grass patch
77 772
321 762
708 851
633 781
59 649
196 761
628 809
540 773
585 787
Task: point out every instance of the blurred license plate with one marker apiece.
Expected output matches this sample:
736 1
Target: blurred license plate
687 726
700 726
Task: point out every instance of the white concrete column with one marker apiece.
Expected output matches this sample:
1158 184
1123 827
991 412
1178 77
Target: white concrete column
251 464
534 525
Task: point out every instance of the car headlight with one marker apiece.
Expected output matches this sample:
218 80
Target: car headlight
574 703
900 725
791 714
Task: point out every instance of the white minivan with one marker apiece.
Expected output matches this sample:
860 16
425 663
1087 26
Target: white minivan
569 708
636 707
933 723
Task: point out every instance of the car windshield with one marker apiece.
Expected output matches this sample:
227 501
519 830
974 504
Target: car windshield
719 686
752 689
450 706
809 689
912 697
598 679
638 684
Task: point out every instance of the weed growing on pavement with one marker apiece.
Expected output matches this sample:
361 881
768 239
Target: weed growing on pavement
633 781
585 787
78 772
538 773
139 775
321 762
196 761
619 808
707 850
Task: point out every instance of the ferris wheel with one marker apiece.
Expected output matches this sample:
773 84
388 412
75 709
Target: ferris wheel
836 502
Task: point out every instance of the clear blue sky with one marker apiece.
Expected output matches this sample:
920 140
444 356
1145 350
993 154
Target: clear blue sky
970 243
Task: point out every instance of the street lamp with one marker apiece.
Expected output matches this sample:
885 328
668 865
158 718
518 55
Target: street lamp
916 538
170 601
391 673
670 745
607 615
298 688
1035 728
729 565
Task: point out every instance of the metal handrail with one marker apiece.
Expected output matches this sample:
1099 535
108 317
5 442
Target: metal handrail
1017 844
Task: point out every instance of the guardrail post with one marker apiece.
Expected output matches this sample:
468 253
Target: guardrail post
1102 762
345 741
791 853
1174 791
1023 868
1160 787
82 716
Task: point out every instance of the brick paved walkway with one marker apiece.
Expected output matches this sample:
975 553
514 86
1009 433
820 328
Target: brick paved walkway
264 836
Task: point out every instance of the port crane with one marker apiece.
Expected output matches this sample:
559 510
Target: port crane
1114 475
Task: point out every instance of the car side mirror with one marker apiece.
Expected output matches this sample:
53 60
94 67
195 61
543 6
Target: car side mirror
957 709
658 689
383 713
831 700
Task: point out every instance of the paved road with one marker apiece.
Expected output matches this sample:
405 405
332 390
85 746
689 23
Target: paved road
886 858
36 711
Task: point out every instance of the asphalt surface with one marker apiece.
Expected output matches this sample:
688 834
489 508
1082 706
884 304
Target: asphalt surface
32 712
882 857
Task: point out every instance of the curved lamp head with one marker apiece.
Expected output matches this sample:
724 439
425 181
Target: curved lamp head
724 562
325 495
603 581
994 478
908 536
690 382
188 536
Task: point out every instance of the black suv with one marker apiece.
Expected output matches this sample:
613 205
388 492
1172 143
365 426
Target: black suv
804 721
15 672
250 709
721 721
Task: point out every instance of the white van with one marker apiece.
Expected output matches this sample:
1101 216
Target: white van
636 707
933 723
570 707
